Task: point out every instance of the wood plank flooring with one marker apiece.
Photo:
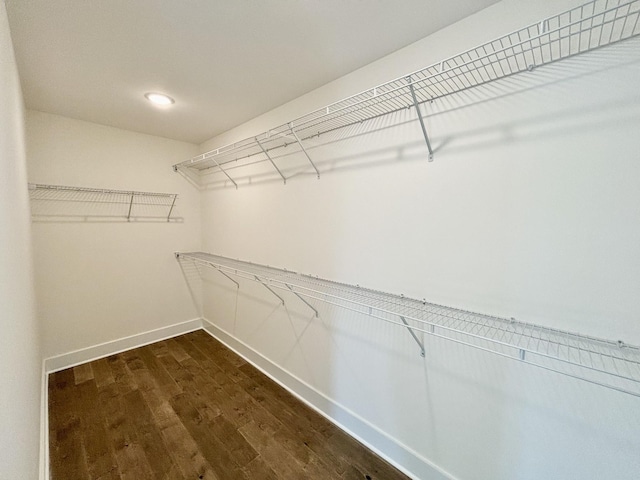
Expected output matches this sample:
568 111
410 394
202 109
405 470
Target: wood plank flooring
189 408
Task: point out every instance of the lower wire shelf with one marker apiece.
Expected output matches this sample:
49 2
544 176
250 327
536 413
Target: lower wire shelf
611 364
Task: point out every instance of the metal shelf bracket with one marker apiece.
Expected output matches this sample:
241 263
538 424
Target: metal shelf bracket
258 279
422 126
295 135
225 172
271 160
130 207
300 297
220 271
413 334
173 204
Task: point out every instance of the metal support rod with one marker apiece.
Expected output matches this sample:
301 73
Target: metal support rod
269 288
271 160
300 297
521 355
304 150
413 335
190 176
424 129
130 207
218 269
172 205
225 172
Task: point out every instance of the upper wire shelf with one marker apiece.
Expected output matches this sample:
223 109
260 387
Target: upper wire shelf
590 26
612 364
72 202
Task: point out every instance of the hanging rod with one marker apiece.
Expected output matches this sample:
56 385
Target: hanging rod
590 26
47 200
611 364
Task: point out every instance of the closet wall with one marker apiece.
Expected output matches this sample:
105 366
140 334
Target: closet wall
528 211
20 360
99 281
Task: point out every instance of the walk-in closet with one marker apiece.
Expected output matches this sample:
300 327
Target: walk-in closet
320 239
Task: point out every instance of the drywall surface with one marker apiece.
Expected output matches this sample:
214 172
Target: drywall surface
529 210
20 360
100 279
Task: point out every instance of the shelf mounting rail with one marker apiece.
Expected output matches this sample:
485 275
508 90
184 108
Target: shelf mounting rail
611 364
593 25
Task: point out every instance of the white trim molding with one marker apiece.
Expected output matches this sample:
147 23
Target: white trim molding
84 355
393 451
44 425
88 354
397 454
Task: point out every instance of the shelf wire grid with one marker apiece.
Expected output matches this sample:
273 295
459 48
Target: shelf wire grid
60 200
612 364
590 26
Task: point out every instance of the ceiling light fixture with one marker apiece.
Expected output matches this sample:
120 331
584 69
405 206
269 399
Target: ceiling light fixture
159 99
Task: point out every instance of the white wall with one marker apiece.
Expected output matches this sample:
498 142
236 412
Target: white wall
20 361
102 281
529 210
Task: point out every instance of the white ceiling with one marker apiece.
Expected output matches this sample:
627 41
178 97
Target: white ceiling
224 61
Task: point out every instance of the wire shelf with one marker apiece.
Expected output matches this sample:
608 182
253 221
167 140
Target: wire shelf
612 364
69 202
593 25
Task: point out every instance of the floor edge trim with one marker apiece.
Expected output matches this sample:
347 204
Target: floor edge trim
391 450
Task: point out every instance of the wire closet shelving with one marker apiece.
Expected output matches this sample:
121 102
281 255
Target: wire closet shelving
611 364
65 201
593 25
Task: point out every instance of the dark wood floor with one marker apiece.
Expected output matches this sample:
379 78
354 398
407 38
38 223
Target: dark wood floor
189 408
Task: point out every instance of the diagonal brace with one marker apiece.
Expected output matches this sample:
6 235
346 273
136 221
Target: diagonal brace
271 160
304 150
173 204
224 171
268 288
218 269
413 335
130 207
300 297
424 129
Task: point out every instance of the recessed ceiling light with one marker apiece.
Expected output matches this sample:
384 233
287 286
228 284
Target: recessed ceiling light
159 98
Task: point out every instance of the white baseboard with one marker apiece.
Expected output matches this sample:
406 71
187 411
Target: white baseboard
44 426
393 451
84 355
